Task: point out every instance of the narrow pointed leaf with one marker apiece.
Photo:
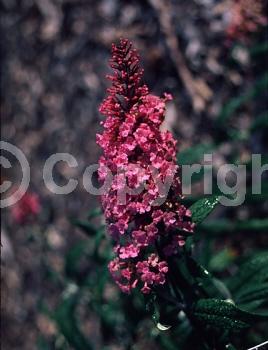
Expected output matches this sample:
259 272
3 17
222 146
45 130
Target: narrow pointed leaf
203 207
85 226
194 154
224 314
253 270
68 325
253 293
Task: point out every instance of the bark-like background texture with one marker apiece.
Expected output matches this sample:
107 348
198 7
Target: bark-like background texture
54 62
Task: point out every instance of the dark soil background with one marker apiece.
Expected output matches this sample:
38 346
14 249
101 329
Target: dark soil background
54 62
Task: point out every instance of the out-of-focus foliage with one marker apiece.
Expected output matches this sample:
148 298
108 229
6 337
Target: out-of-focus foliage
90 312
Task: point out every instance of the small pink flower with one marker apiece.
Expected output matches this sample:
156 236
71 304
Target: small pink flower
129 251
140 237
145 289
126 273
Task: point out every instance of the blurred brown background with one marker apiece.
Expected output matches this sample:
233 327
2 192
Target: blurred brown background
54 62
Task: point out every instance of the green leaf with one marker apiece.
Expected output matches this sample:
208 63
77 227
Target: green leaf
194 154
110 318
73 257
68 324
42 344
206 282
221 260
203 207
94 213
232 106
85 226
253 305
260 122
196 269
253 292
223 314
249 196
258 49
218 313
255 270
222 289
224 226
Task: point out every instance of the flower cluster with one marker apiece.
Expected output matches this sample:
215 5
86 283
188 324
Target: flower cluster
147 222
26 209
244 17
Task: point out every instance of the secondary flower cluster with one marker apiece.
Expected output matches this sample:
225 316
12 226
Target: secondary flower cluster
26 209
147 223
244 17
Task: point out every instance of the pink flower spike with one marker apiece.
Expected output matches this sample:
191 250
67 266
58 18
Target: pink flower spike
140 157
